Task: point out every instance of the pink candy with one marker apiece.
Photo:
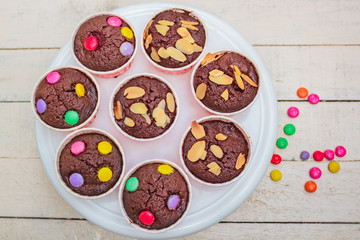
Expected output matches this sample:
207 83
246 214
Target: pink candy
77 147
329 154
53 77
293 112
313 99
315 173
340 151
114 21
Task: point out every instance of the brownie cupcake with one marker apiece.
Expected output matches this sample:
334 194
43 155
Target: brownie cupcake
215 150
144 107
155 196
174 39
66 98
104 44
225 82
90 163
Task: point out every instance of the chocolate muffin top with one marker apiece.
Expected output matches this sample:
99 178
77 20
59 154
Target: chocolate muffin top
174 38
144 107
215 151
226 82
65 91
113 47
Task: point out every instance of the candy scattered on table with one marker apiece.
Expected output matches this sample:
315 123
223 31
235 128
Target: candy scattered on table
91 43
53 77
126 48
334 167
126 32
105 174
276 159
165 169
293 112
146 217
302 92
114 21
76 180
132 184
173 202
329 154
79 90
105 147
318 156
41 106
304 155
77 147
340 151
281 143
71 117
315 173
310 186
313 99
289 129
275 175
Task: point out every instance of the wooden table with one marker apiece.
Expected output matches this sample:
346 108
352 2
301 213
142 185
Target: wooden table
315 44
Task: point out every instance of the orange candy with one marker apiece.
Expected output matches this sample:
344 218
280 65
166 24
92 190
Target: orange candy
310 186
302 92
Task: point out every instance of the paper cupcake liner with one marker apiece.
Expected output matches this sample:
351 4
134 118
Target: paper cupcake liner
223 119
117 88
82 125
226 113
104 74
180 70
71 136
122 186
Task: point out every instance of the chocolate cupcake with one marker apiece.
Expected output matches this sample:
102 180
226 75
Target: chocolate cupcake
215 150
174 39
225 82
155 196
104 44
66 99
144 107
90 163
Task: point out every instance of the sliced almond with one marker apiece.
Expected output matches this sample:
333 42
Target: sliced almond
176 54
129 122
221 80
170 102
148 40
138 108
225 95
168 120
197 48
118 111
237 70
216 73
208 57
161 104
240 161
217 151
249 80
189 23
239 81
163 52
191 27
214 168
147 118
162 29
183 32
196 151
154 55
166 23
197 130
190 40
146 31
134 92
160 117
203 156
200 91
221 137
184 46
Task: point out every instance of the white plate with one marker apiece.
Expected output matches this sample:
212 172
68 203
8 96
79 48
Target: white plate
210 204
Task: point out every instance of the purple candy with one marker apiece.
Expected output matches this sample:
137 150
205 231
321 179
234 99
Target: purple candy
173 201
126 48
41 106
304 155
76 180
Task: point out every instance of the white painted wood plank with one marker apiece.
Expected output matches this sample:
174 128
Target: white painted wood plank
39 24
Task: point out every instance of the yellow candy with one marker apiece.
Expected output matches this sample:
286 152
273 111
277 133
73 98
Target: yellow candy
104 147
80 90
126 32
334 167
275 175
165 169
104 174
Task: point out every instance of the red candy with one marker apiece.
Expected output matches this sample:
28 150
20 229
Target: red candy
318 156
91 43
146 217
276 159
310 186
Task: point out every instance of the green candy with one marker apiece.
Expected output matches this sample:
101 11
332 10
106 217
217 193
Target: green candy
281 143
71 117
289 129
132 184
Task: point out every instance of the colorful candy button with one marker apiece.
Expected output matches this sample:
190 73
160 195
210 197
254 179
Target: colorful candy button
340 151
53 77
173 202
41 106
313 99
126 48
114 21
276 159
146 217
329 154
132 184
126 32
310 186
304 155
318 156
289 129
293 112
315 173
334 167
79 90
302 92
281 143
165 169
105 174
91 43
76 180
77 147
275 175
71 117
105 147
